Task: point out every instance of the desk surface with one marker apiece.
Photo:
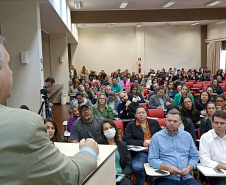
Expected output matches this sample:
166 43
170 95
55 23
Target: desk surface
70 149
151 171
209 172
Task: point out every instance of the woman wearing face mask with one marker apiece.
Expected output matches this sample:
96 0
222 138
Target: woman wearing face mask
188 110
185 92
123 162
201 103
139 133
52 130
206 122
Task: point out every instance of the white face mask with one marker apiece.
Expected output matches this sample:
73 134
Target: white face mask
110 133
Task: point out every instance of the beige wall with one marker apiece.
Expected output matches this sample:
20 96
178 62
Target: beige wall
215 31
104 48
120 47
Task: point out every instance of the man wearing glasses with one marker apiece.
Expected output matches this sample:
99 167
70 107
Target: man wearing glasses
212 147
88 126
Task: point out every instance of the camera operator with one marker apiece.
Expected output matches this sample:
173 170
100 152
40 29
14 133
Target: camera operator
47 84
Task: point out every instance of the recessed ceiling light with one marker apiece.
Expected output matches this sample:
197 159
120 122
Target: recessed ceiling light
212 3
168 4
77 4
123 5
194 23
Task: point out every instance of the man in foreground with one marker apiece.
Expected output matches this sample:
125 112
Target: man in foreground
213 147
27 155
173 150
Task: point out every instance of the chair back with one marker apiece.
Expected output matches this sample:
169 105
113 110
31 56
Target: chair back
144 105
119 124
157 113
162 122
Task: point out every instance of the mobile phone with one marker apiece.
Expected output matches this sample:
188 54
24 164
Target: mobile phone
161 172
218 171
119 179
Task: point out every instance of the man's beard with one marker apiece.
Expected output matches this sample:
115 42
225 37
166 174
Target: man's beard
88 117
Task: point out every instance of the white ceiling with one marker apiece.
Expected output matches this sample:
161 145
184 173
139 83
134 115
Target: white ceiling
97 5
107 5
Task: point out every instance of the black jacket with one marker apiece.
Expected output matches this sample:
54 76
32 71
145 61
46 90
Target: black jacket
125 158
205 126
199 105
194 117
130 110
134 134
189 127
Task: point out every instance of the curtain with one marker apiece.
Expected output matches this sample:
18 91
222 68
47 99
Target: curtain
213 56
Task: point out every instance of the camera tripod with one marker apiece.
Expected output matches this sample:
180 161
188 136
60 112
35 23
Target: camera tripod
44 108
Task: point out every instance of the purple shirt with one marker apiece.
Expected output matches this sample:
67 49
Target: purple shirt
70 123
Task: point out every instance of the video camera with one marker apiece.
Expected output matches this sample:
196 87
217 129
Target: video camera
45 91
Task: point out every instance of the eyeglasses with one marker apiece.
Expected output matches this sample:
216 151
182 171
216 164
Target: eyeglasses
219 101
84 110
186 102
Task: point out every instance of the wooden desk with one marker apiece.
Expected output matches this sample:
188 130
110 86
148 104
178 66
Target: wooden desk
209 172
105 171
151 171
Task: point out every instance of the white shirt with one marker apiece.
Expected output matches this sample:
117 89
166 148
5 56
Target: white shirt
212 149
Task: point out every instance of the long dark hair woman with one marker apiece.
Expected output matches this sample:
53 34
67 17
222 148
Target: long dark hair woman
201 103
206 122
188 110
52 130
123 161
134 96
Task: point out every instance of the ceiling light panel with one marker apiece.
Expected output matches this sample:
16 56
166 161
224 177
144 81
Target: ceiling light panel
123 5
168 4
213 3
77 4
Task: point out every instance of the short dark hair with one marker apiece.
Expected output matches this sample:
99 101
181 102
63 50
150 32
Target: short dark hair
138 107
50 79
79 94
220 114
160 87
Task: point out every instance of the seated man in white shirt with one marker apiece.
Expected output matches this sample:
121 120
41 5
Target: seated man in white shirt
212 147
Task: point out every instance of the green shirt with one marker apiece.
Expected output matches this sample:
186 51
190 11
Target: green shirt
118 167
177 99
106 113
140 89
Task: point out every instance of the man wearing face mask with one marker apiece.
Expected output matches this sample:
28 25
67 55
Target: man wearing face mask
86 127
123 162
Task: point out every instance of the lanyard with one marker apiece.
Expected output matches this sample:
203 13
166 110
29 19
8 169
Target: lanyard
145 130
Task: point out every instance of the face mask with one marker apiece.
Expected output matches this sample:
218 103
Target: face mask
110 133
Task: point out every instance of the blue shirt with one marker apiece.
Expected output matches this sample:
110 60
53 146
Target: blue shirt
178 150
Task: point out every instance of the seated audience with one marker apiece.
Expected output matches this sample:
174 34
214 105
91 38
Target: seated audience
173 77
186 124
216 88
123 162
126 109
212 147
52 130
78 100
173 150
101 108
73 118
193 76
219 76
206 122
125 83
74 88
134 96
107 90
155 88
209 90
159 100
113 102
87 94
88 126
170 91
139 88
184 93
165 77
139 133
88 87
204 77
188 110
98 88
116 87
201 103
220 103
153 81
